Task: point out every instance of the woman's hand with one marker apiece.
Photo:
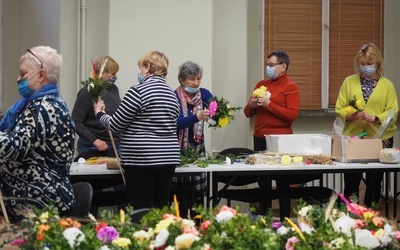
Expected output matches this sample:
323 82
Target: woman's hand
203 115
100 145
263 102
99 106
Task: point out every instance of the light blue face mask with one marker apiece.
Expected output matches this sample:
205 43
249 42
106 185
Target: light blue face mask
270 71
139 77
369 70
191 90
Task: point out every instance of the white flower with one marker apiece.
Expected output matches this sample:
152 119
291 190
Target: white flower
306 228
344 224
90 86
185 223
304 211
223 235
211 121
185 241
141 235
224 216
161 238
228 161
365 238
336 243
170 248
74 236
105 247
282 230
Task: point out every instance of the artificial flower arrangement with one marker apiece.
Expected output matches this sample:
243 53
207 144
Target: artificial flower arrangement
346 227
95 84
354 106
220 112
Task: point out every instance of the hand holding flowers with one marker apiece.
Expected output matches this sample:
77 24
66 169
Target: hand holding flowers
220 112
95 84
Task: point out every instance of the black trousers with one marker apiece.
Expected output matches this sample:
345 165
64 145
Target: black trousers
373 182
148 187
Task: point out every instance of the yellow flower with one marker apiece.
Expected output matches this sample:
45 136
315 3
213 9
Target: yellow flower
260 92
122 242
359 105
43 217
185 241
350 110
297 159
378 234
141 236
286 160
122 215
164 224
223 121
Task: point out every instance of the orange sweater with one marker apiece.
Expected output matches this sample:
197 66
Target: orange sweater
282 111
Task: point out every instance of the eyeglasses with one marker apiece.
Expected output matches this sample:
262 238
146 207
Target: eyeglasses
41 63
273 64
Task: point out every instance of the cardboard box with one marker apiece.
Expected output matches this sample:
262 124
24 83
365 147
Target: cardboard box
364 150
310 144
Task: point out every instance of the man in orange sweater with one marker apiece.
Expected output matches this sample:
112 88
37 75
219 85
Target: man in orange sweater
274 112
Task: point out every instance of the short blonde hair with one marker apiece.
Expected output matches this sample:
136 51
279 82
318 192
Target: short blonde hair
52 61
158 63
111 64
370 53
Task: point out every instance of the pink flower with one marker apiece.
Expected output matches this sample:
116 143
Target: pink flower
291 242
226 208
205 225
396 235
212 108
360 223
191 231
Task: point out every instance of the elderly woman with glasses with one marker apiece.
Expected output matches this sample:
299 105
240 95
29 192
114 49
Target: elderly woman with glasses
93 135
37 138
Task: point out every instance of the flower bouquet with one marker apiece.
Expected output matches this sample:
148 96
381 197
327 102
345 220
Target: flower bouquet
261 92
354 106
220 112
95 84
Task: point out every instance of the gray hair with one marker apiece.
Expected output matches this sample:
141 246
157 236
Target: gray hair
189 69
51 60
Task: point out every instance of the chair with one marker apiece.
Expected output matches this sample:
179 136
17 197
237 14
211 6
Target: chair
102 198
264 195
137 215
83 196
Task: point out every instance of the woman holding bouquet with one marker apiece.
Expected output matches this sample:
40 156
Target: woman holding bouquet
193 102
377 96
37 140
146 119
93 135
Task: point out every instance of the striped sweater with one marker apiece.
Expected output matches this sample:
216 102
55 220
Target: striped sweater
147 119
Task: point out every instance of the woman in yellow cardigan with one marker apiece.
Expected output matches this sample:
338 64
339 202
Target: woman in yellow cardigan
377 97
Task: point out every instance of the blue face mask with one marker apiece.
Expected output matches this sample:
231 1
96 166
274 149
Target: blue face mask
139 77
111 81
191 90
270 71
23 86
369 70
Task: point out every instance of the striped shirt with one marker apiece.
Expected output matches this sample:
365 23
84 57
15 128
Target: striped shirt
147 119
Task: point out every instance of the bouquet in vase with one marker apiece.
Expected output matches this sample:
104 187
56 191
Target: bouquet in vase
95 84
220 112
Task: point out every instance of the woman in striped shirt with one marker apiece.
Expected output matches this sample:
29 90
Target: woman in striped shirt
146 119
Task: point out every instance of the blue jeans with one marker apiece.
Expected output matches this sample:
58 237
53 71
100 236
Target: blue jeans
84 146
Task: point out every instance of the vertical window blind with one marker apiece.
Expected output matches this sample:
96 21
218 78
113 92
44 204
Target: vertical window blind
296 27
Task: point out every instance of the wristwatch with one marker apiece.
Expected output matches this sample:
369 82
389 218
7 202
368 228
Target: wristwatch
376 119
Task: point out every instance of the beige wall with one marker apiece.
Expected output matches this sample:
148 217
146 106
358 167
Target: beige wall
221 35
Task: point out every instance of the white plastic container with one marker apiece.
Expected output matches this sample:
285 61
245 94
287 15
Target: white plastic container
308 144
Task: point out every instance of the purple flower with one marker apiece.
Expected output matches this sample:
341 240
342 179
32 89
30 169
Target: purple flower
107 234
276 224
212 109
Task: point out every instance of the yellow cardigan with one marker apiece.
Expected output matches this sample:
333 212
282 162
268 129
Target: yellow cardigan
381 101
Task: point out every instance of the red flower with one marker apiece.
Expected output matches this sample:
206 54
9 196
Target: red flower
307 162
100 226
